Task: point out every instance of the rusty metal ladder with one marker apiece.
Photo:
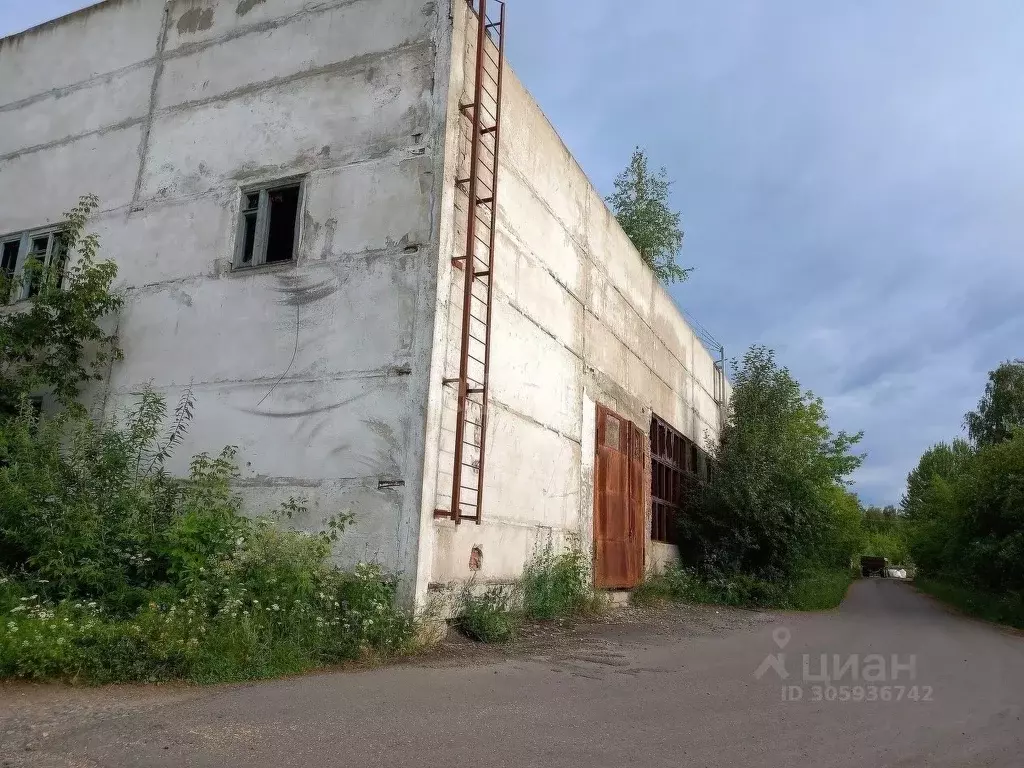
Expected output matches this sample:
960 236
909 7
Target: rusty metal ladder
477 265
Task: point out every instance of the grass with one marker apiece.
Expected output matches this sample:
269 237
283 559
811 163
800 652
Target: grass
813 590
553 586
1005 609
489 617
216 634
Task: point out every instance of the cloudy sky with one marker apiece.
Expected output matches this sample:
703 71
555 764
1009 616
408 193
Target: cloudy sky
850 174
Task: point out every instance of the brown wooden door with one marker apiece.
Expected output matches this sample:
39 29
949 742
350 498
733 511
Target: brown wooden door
619 519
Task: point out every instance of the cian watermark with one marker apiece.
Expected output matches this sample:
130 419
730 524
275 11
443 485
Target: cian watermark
839 677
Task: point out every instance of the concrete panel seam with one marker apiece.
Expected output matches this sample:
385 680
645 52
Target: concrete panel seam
310 9
67 90
390 372
351 66
525 417
186 49
593 263
147 128
230 189
102 130
342 258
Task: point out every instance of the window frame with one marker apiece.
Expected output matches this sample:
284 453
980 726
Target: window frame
24 240
261 237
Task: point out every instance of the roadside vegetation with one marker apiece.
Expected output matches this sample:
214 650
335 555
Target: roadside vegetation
964 507
111 568
775 525
553 587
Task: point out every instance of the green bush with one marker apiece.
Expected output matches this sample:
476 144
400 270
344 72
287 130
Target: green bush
776 495
491 616
1005 608
553 586
556 585
112 570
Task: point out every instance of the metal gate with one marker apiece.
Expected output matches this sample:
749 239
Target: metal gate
619 530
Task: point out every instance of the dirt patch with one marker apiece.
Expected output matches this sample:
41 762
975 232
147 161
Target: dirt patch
625 626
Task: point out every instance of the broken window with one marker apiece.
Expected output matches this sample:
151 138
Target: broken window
30 256
269 226
9 259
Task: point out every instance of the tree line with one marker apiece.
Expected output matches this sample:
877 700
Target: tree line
964 503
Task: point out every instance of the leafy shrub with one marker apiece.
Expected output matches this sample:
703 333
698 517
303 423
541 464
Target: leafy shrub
776 498
114 570
1007 608
553 586
556 585
491 616
43 345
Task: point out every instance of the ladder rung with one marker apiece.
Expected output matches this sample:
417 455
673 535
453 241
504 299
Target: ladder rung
485 273
474 391
484 200
490 129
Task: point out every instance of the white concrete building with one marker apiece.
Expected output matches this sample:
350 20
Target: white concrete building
283 186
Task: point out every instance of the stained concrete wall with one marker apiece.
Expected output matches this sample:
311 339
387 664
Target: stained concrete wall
578 319
316 370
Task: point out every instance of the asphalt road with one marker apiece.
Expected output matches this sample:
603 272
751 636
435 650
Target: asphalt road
675 692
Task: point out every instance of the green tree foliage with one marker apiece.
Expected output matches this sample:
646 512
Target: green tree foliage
55 341
1001 409
640 204
946 461
967 523
965 506
884 534
777 498
991 497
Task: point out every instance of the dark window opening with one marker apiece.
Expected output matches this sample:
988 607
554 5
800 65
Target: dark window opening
250 217
9 259
59 258
34 264
679 472
269 226
284 210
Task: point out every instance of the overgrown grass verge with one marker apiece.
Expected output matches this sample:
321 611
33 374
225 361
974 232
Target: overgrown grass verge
812 590
553 586
1005 609
113 570
241 631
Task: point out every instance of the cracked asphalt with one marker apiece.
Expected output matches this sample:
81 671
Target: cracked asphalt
661 687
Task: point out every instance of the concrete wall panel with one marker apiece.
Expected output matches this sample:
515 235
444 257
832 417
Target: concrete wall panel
40 186
91 43
346 116
301 43
93 107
